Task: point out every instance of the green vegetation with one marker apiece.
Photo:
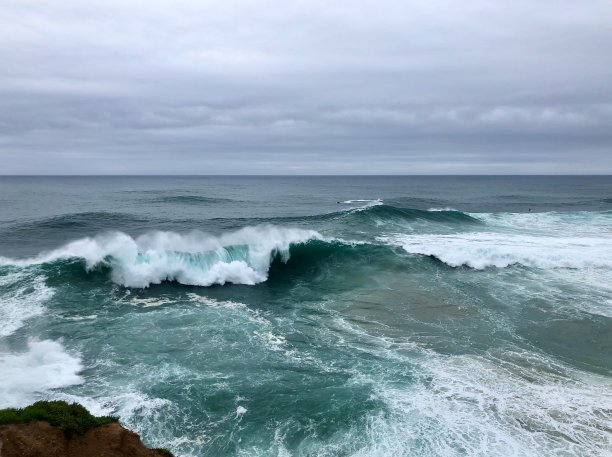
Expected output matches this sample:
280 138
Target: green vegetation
163 452
69 417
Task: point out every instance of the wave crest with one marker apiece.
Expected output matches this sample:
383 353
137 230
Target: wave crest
196 258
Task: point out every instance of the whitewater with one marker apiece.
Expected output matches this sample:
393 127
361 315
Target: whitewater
340 316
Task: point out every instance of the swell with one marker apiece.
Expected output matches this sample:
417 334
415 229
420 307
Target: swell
90 221
27 237
388 212
83 220
367 215
97 221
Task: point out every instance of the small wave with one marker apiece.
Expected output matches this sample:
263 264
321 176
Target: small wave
482 249
362 205
29 376
382 214
370 202
190 200
437 210
241 257
388 213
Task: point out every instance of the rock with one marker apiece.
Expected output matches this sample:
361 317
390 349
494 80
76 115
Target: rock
41 439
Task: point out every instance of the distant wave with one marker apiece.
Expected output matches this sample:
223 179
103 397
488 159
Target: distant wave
81 220
241 257
190 200
377 213
381 213
391 213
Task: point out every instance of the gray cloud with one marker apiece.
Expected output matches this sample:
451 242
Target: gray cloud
305 87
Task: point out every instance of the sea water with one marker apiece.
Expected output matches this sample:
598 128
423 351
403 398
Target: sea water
316 316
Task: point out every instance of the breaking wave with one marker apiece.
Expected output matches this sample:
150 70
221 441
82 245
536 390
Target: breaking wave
241 257
480 250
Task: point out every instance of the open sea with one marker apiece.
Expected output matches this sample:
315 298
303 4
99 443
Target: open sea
316 316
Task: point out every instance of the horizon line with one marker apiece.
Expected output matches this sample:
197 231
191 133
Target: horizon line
227 175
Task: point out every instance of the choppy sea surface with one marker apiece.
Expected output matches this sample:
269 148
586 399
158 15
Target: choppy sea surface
316 316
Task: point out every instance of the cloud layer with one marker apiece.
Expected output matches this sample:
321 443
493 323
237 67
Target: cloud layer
267 86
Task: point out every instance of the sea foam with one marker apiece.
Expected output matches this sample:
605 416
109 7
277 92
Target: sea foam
23 297
480 250
28 376
505 402
517 405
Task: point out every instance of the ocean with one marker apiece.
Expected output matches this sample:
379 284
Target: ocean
316 316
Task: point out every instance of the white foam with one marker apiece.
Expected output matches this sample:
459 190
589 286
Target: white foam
363 204
486 249
253 315
151 302
272 341
213 303
90 317
376 201
241 257
29 376
24 300
436 210
506 402
150 417
559 224
521 405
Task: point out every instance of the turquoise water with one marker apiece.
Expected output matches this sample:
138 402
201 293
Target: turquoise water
336 316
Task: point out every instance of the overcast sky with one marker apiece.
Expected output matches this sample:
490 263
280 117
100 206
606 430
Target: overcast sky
305 87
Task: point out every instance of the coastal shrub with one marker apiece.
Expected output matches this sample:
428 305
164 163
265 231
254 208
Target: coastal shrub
163 452
68 417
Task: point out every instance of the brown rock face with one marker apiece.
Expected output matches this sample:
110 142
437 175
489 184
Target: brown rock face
39 439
